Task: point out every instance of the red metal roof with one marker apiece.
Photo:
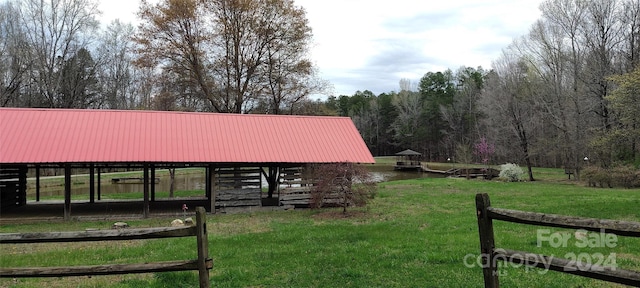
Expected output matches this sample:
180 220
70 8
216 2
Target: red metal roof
115 136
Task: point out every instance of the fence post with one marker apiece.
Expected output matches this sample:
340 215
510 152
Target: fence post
487 244
203 246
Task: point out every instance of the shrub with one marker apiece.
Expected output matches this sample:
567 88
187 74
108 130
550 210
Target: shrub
597 176
620 175
511 172
625 175
341 184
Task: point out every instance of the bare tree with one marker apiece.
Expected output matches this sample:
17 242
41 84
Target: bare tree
241 52
290 76
233 55
508 99
14 57
367 121
406 127
262 55
602 31
572 50
78 86
630 21
114 55
55 31
556 45
172 36
560 97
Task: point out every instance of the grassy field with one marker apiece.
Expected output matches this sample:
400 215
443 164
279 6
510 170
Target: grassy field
415 233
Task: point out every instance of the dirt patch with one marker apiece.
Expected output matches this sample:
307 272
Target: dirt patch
424 226
17 249
452 191
81 281
240 226
628 256
331 215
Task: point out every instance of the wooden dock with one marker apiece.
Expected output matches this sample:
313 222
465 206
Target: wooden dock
426 169
487 173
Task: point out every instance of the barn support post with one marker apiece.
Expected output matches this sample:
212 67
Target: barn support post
145 209
207 182
92 184
153 183
211 183
99 190
67 192
22 185
37 183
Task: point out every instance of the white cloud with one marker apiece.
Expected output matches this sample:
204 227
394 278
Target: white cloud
376 43
372 44
125 10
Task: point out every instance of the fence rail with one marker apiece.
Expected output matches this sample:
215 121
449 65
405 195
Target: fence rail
203 264
491 254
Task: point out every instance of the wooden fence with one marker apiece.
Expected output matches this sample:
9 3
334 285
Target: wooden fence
203 264
490 254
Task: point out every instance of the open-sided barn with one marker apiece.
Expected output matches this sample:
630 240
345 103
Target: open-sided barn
221 143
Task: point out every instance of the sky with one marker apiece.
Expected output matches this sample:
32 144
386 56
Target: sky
372 44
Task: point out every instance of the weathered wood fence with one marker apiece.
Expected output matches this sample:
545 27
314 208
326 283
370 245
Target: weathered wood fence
203 264
490 254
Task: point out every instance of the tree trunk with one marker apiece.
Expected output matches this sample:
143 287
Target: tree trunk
524 143
344 204
172 177
272 181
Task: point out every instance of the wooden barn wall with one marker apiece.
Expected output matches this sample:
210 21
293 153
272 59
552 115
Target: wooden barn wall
238 187
13 186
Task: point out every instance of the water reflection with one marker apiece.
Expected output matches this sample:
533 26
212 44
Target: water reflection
182 182
383 173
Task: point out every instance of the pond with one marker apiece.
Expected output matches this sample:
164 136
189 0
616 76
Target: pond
183 182
383 173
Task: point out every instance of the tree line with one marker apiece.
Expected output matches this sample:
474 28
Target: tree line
226 56
439 116
563 95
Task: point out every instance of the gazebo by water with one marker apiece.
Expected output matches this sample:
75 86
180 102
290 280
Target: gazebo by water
408 160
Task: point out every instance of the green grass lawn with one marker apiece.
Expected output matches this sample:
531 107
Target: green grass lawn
415 233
